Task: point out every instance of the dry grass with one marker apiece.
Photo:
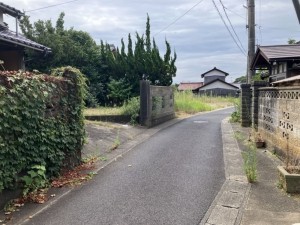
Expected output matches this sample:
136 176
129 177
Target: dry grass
103 111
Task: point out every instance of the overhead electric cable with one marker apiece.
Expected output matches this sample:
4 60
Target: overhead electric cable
228 28
235 13
178 18
49 6
224 8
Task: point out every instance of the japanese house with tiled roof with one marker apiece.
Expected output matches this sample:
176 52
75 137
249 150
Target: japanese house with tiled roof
12 43
215 84
277 61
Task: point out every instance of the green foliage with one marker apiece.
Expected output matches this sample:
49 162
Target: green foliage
108 70
292 41
242 79
257 76
187 102
119 91
132 108
250 163
236 115
35 179
41 121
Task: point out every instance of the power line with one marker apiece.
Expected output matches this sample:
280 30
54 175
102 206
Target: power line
179 18
232 26
49 6
228 28
235 13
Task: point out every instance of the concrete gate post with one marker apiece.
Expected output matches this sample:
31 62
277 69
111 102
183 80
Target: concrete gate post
145 106
246 105
255 95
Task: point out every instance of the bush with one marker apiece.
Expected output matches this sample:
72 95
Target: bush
236 115
132 108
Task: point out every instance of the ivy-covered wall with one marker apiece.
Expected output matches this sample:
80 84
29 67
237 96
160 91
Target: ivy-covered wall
41 122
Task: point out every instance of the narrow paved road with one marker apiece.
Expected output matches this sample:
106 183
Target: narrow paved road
172 178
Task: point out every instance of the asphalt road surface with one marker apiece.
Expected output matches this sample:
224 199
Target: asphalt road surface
172 178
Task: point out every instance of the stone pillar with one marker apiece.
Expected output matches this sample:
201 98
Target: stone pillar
246 105
255 95
145 106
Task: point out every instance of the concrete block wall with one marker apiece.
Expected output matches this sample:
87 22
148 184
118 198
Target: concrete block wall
279 120
157 104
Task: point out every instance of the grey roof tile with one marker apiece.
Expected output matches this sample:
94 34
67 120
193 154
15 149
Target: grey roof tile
11 37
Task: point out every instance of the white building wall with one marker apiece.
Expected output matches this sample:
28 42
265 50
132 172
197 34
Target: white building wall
218 84
214 73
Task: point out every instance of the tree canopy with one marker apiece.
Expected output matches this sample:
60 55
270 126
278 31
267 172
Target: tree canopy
113 73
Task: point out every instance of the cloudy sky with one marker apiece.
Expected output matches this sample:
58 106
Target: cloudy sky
193 27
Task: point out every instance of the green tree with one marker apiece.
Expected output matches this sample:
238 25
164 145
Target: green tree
241 79
292 41
107 70
119 91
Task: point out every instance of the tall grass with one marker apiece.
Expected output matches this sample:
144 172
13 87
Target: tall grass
190 103
185 102
130 108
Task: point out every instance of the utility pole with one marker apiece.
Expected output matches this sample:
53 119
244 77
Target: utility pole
251 37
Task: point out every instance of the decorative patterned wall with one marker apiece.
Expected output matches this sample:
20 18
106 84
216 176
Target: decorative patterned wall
279 118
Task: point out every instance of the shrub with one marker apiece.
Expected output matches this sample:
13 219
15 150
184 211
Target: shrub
236 115
132 108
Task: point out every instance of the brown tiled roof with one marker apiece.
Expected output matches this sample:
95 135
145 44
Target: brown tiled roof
280 51
268 54
189 86
11 37
10 10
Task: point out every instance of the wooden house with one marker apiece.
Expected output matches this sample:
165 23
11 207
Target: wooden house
12 43
214 74
215 84
277 61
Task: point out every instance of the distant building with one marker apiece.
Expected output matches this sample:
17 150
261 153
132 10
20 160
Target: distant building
214 74
190 86
12 44
278 61
215 84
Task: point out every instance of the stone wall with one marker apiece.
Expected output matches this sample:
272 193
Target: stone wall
157 104
279 119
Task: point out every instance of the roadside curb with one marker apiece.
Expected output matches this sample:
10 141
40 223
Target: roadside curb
228 206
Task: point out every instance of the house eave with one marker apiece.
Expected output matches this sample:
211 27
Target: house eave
11 11
24 45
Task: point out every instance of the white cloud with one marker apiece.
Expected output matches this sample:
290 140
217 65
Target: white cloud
200 38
